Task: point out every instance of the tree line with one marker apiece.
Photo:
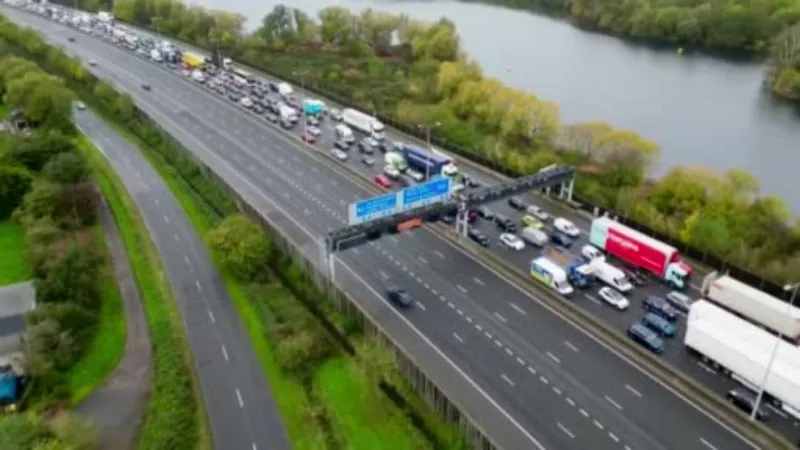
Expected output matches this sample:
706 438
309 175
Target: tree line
783 66
418 75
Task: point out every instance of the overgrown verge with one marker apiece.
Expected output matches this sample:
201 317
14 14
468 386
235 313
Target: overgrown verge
174 417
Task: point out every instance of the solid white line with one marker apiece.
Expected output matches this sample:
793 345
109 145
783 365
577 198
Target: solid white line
421 306
611 400
554 357
239 396
707 444
461 288
458 338
156 200
224 353
507 380
478 280
211 316
571 347
566 431
633 391
518 309
501 318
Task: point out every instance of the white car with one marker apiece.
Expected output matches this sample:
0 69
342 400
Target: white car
338 154
80 105
565 226
314 131
246 102
511 241
614 298
391 172
537 212
415 175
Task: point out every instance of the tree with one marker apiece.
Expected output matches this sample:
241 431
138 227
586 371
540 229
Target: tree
70 277
21 431
67 168
42 202
35 150
48 348
43 98
242 247
14 184
376 361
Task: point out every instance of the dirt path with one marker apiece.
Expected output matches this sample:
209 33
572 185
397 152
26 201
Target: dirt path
117 406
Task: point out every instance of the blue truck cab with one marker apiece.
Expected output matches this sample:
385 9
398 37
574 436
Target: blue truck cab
578 272
659 324
425 161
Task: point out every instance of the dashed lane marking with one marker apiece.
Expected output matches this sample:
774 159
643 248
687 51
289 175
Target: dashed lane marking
507 380
566 431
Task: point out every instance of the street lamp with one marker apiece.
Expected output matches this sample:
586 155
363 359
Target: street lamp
430 148
789 287
302 109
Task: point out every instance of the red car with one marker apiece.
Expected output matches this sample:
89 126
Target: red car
308 138
383 181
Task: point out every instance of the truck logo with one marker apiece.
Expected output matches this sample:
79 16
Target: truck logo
624 243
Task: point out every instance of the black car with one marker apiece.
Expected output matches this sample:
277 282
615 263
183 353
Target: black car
478 237
365 147
517 203
399 296
661 307
146 87
448 218
746 401
485 213
635 278
71 39
472 183
234 96
271 117
505 224
560 239
258 109
257 93
341 144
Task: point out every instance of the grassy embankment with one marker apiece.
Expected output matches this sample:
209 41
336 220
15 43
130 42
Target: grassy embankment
356 422
14 267
174 417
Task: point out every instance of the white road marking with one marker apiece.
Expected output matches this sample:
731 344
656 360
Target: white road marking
166 219
461 288
510 353
498 343
478 280
224 353
532 370
393 239
633 391
488 335
584 413
543 380
611 400
451 305
199 288
211 316
500 317
469 319
518 309
254 446
570 401
458 338
383 275
239 397
157 202
177 238
554 358
557 390
186 259
439 254
355 251
613 437
571 347
460 312
598 425
520 361
422 260
507 380
707 444
593 299
566 431
421 306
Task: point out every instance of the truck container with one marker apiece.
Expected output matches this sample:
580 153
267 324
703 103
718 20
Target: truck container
753 305
743 351
363 123
427 162
192 60
551 275
313 107
640 250
578 272
610 275
396 160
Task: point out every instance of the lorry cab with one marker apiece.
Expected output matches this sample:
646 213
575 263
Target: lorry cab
678 275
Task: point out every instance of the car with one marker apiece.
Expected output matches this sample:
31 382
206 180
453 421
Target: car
485 213
367 161
234 96
391 172
612 297
511 241
246 102
679 301
341 144
560 239
537 212
383 181
338 154
335 114
415 175
477 236
314 131
590 252
448 218
661 307
567 227
92 63
71 39
645 337
271 117
505 224
635 277
659 324
517 203
530 221
746 401
80 105
258 109
312 120
220 90
146 87
308 138
365 148
399 296
471 183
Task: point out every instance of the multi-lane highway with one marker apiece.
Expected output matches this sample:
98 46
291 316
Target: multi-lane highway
529 377
239 405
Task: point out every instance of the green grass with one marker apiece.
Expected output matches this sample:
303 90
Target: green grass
108 345
358 414
14 267
4 111
174 418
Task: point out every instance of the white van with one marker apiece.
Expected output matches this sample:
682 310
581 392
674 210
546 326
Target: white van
591 252
610 275
344 133
534 236
285 89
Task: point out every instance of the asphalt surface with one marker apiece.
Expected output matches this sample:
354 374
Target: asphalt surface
117 407
548 381
241 411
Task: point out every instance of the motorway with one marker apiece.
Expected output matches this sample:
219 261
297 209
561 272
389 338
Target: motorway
531 379
238 403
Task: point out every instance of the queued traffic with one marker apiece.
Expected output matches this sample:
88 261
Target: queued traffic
733 328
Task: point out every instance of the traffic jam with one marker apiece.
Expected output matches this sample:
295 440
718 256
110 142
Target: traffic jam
635 282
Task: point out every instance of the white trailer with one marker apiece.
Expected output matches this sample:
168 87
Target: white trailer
364 123
742 351
754 305
610 275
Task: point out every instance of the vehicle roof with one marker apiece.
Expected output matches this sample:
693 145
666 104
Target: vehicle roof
549 266
607 223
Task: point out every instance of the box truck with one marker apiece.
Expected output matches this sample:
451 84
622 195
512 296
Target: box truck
363 123
551 275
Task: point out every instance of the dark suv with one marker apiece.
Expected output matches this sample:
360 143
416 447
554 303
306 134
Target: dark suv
505 224
399 297
746 401
517 203
478 237
661 307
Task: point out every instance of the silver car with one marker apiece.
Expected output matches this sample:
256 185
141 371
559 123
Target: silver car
679 300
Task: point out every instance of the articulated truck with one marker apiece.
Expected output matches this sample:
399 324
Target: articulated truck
742 351
753 305
640 250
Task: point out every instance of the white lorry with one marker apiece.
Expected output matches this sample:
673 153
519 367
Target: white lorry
742 351
752 304
285 89
344 133
610 275
364 123
550 274
288 113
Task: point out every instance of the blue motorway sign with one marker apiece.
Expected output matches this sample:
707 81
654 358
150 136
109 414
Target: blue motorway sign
374 208
433 191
